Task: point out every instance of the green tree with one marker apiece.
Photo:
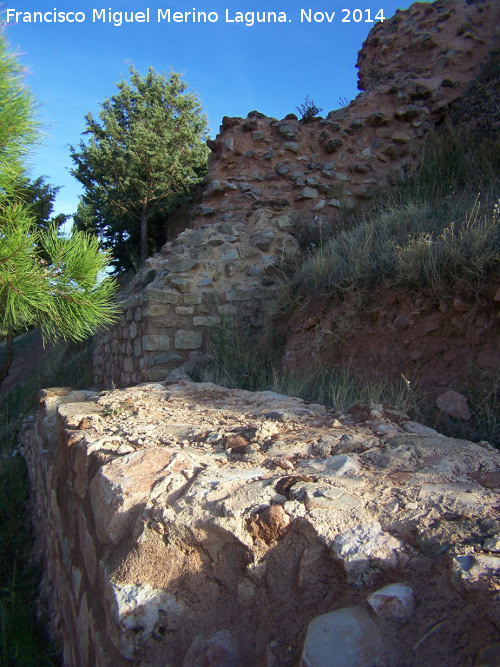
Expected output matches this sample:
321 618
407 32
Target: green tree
46 280
144 154
40 196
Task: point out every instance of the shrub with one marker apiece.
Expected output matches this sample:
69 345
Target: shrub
308 110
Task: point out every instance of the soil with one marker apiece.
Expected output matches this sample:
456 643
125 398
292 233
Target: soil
435 342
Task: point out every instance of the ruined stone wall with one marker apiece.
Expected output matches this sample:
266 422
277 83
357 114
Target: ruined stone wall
411 67
201 277
189 524
268 177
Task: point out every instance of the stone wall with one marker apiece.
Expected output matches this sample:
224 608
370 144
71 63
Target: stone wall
411 68
189 524
267 178
198 279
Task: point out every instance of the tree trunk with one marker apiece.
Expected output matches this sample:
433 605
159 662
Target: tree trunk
144 235
10 352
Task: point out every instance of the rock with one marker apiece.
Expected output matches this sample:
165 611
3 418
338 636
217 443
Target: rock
454 404
188 340
292 146
333 145
217 651
344 638
400 138
262 240
335 465
119 487
419 429
462 306
269 524
288 130
153 343
308 193
282 169
364 549
137 611
213 188
396 601
476 567
493 544
179 374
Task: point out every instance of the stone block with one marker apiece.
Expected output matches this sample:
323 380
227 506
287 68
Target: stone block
152 343
220 650
192 299
164 359
160 296
181 284
158 309
395 601
188 340
83 631
87 548
308 193
263 240
180 265
184 310
201 321
230 256
343 638
213 297
291 146
134 613
119 488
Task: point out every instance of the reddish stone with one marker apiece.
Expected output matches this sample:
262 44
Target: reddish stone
454 404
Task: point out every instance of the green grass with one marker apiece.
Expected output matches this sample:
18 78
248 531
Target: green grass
433 231
408 245
484 406
23 639
438 227
240 359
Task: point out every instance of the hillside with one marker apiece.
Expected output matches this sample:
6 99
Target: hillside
335 293
362 229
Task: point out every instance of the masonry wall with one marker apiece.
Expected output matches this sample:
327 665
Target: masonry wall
270 178
191 525
201 279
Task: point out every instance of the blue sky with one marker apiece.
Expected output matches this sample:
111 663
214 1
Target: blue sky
233 67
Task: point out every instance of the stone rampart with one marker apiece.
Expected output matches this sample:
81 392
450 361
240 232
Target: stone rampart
189 524
268 177
201 277
411 68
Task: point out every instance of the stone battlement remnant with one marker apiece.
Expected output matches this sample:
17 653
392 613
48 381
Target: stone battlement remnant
267 177
189 524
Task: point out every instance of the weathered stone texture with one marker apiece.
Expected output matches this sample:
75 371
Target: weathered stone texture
194 524
268 177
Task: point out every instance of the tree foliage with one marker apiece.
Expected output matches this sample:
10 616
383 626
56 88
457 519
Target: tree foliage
143 155
18 128
46 280
40 196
